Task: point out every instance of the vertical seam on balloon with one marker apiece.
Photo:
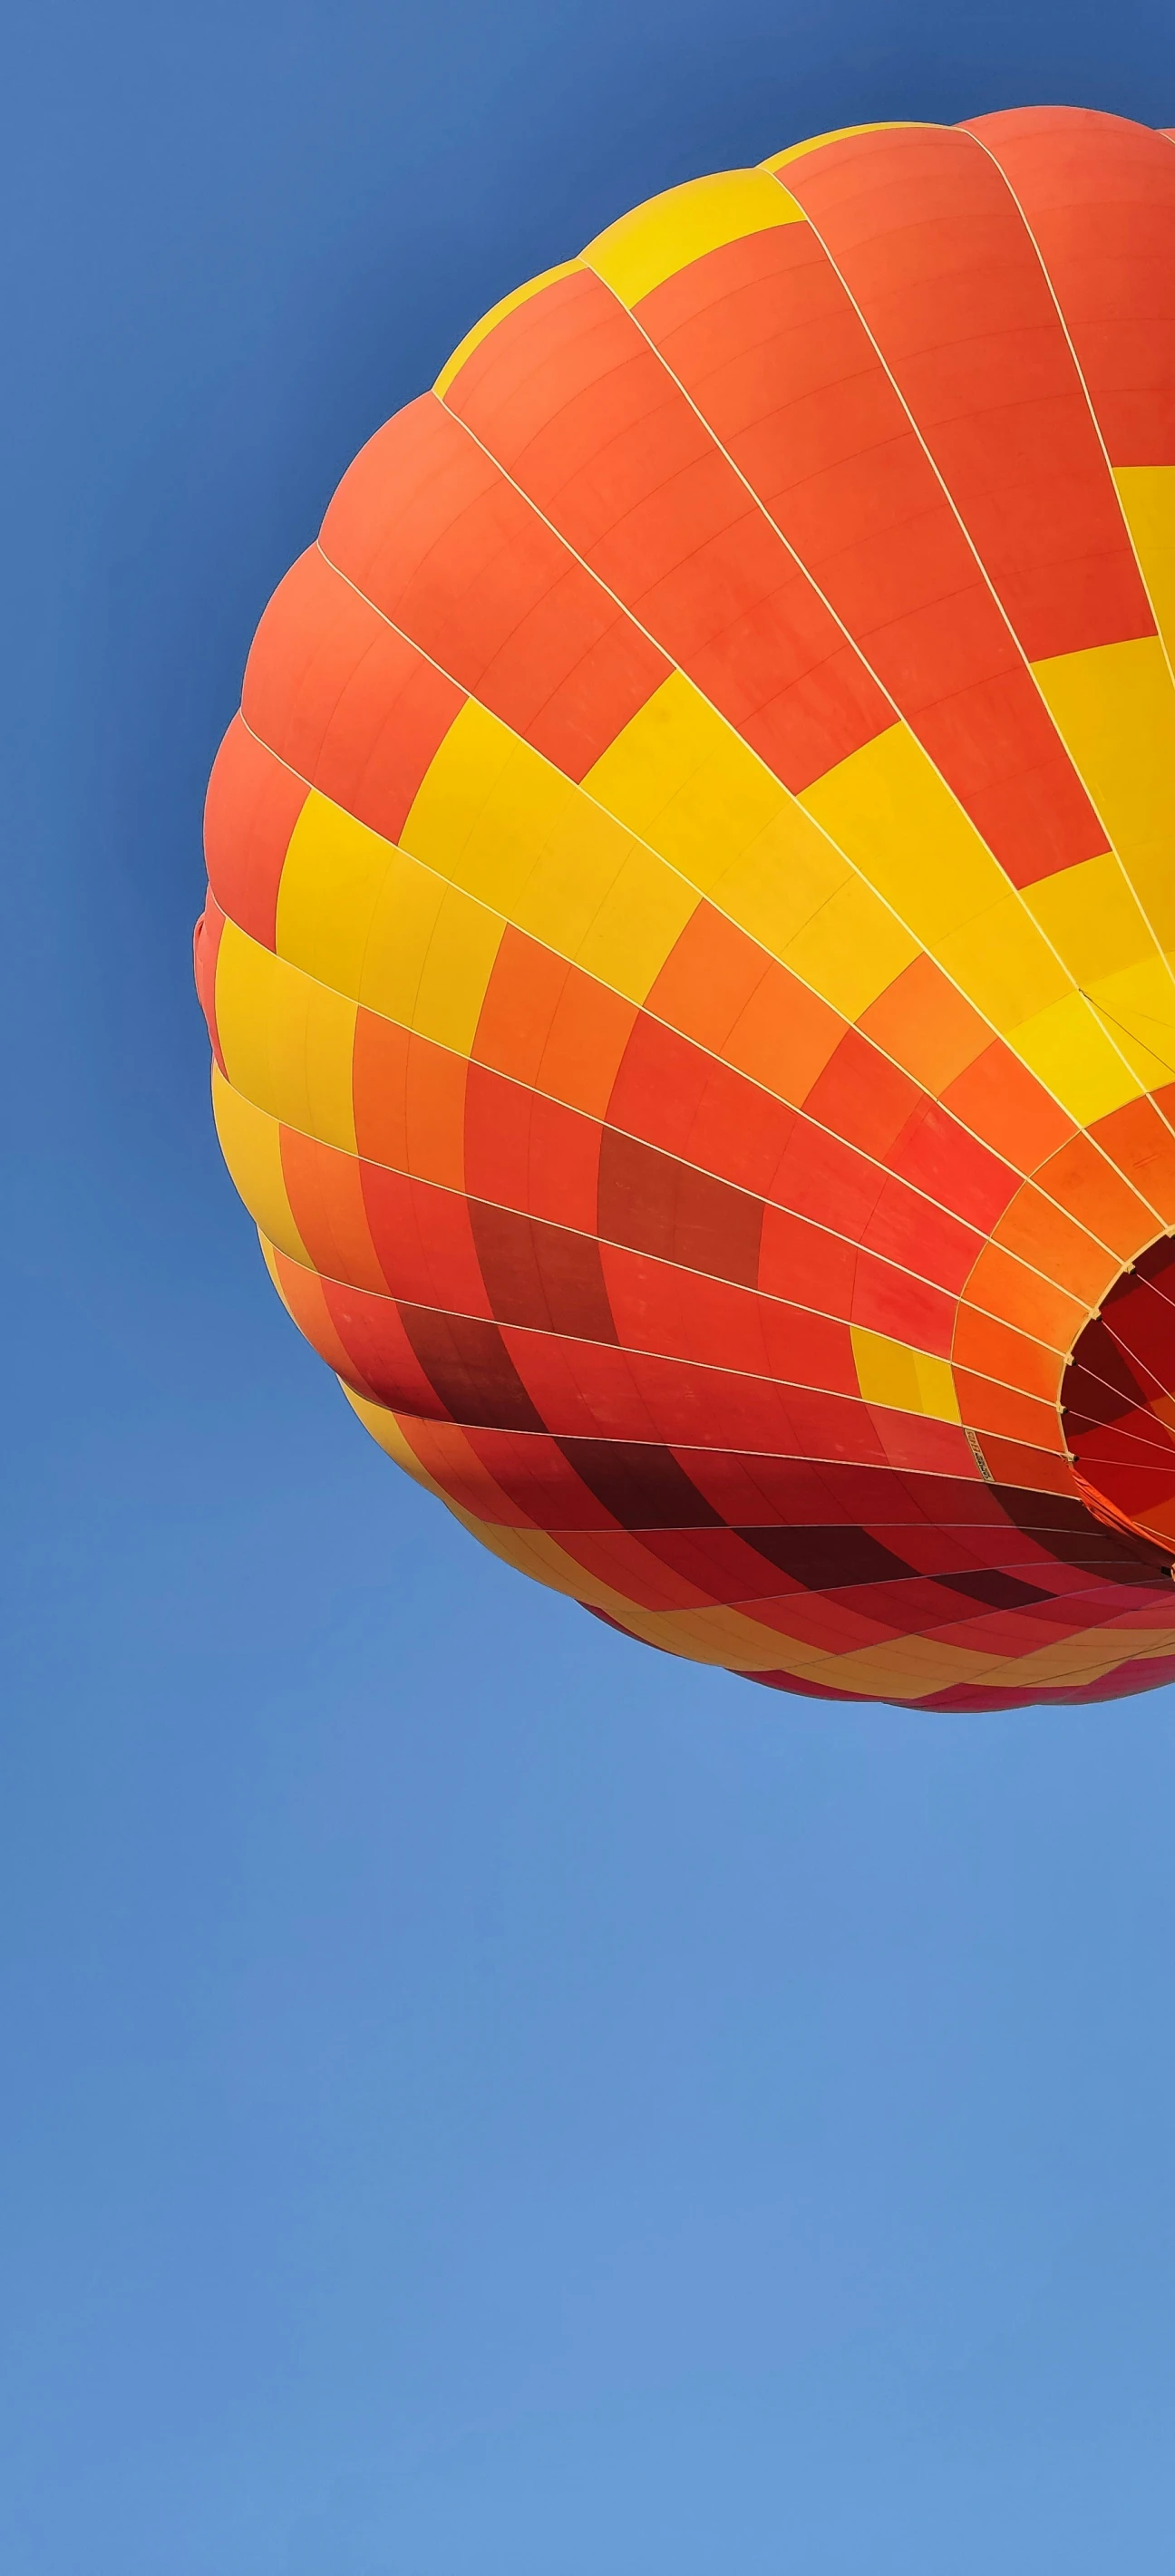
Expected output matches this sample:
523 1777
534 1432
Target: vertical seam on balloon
390 622
393 846
1017 891
775 162
1110 843
796 1457
797 1108
1080 375
1097 430
985 1669
807 1660
637 837
1135 1358
1144 1443
744 1602
666 1261
1083 1592
816 1125
628 1351
613 1243
1029 1563
1092 1668
1032 1564
477 900
771 1298
887 1261
725 721
1019 648
1141 1440
1013 1665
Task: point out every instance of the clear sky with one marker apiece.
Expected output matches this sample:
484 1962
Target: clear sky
478 2099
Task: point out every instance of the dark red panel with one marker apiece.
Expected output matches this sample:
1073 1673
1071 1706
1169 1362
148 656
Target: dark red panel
1140 1143
827 1181
205 949
684 1314
548 1023
424 1240
380 1360
529 1153
1004 1103
655 1204
541 1275
409 1101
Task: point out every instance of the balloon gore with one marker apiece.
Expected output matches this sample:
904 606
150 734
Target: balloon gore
691 920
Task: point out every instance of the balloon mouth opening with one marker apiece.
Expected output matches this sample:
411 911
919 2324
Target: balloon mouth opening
1118 1403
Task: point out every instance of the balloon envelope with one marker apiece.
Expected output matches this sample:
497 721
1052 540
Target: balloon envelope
689 944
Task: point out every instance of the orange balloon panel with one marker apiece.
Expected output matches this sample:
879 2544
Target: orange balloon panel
690 941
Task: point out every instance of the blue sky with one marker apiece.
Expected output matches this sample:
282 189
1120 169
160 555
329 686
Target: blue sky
479 2099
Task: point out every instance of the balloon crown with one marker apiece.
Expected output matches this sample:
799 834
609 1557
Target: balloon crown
689 946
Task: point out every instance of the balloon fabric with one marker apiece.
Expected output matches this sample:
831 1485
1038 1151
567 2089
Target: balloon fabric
691 923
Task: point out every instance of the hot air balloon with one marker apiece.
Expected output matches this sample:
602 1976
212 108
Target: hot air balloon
690 948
